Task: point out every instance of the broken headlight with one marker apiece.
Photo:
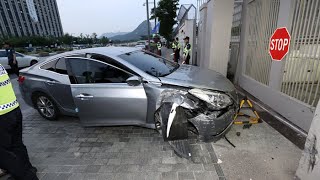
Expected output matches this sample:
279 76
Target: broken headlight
216 99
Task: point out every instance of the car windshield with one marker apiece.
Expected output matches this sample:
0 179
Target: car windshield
150 63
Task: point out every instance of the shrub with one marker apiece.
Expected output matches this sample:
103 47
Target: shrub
43 54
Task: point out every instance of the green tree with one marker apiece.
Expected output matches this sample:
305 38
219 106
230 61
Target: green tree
104 40
166 12
66 39
94 37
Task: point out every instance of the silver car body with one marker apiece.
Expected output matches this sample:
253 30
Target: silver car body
23 60
112 104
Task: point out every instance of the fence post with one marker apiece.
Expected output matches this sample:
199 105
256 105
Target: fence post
243 42
277 67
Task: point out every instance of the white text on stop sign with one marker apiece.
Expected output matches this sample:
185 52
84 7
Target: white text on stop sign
279 44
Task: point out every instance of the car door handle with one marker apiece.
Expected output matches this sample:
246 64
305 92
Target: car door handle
81 96
50 83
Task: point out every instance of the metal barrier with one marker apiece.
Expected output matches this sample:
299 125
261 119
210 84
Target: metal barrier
302 69
263 17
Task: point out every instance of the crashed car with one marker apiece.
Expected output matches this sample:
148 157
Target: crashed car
114 86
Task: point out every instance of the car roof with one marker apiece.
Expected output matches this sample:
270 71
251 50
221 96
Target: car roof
108 51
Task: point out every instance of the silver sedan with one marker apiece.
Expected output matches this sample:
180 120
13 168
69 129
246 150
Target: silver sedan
113 86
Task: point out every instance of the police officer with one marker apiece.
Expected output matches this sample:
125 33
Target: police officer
156 39
159 47
186 51
12 61
13 153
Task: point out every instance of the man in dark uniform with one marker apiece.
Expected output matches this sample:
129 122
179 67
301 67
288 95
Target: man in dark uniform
12 61
186 51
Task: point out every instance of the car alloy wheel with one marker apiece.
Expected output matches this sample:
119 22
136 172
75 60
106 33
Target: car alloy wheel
33 62
46 107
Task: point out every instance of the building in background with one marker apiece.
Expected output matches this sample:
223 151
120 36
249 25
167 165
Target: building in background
20 18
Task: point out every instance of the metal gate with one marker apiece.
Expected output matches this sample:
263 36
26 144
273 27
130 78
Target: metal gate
290 87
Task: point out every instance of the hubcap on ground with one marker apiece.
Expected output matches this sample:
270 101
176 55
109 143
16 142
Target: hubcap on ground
45 106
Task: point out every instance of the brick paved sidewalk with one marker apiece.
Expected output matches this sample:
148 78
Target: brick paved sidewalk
65 150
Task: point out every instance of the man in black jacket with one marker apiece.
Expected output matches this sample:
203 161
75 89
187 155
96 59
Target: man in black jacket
12 60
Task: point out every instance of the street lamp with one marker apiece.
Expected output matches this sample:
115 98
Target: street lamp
148 21
155 6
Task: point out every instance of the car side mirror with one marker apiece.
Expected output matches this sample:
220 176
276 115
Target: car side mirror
134 81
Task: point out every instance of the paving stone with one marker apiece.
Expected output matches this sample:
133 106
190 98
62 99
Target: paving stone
77 176
185 176
205 176
153 176
50 176
114 162
92 169
209 167
195 167
63 176
169 176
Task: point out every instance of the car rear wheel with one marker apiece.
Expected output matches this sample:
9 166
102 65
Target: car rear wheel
46 107
33 62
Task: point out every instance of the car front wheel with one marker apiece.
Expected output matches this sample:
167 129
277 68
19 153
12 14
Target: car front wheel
33 62
46 107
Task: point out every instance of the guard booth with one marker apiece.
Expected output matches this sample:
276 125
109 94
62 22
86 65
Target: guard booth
291 87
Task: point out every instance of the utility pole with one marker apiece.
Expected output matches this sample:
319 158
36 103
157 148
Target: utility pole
148 21
155 18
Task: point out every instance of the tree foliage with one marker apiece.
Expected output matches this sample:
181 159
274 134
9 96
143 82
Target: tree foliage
66 40
166 12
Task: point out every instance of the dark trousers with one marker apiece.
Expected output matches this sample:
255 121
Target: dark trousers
187 61
13 153
176 55
15 68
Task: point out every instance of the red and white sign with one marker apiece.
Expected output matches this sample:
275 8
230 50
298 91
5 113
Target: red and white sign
279 44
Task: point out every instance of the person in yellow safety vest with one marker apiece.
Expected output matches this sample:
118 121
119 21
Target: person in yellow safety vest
159 47
13 153
186 51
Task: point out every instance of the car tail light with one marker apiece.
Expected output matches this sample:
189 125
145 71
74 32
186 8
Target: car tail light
21 79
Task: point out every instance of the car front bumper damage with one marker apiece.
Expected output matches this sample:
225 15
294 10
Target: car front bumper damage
179 112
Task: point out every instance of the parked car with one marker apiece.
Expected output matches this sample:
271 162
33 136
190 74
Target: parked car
112 86
140 46
23 60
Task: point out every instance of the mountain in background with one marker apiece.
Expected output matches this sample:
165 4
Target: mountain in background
141 30
112 34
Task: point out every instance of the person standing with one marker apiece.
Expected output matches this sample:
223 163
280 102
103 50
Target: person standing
12 60
13 153
186 51
177 50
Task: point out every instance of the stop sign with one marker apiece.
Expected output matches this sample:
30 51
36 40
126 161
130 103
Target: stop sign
279 44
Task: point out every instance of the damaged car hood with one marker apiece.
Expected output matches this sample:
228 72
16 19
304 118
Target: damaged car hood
195 77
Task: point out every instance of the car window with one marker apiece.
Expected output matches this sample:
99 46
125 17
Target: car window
150 63
110 61
3 54
58 66
19 55
85 71
50 66
61 67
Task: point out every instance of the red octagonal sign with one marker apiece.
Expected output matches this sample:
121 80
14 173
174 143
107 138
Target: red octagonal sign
279 44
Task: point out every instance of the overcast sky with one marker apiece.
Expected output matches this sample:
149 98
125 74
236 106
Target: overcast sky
100 16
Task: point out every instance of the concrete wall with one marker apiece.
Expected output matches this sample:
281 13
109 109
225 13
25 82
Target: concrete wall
216 33
202 36
309 166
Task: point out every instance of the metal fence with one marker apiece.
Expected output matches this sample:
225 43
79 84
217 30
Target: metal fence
302 69
263 16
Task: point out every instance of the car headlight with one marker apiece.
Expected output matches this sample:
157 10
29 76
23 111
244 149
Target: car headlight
216 99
